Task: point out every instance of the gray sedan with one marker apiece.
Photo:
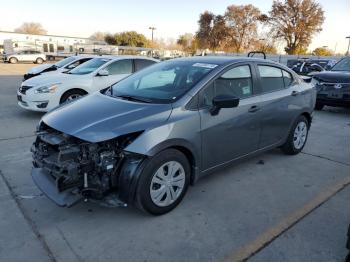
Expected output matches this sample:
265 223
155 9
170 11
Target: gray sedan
145 139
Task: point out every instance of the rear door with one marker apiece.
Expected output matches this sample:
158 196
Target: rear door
280 103
142 63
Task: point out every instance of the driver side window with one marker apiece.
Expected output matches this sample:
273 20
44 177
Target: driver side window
234 82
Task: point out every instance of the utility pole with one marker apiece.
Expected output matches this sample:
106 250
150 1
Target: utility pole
152 29
347 53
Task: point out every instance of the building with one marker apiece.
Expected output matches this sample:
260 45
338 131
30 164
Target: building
51 45
23 37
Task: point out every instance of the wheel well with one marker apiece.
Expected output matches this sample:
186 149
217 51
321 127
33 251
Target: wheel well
73 89
308 117
191 159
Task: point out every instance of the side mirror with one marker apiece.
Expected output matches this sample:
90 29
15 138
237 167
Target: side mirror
223 101
103 72
71 66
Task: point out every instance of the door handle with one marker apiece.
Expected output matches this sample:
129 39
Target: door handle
253 109
295 93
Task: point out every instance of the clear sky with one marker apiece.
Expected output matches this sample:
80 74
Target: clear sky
171 18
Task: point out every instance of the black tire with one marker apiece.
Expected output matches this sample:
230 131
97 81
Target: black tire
39 60
70 93
143 192
289 147
13 60
319 106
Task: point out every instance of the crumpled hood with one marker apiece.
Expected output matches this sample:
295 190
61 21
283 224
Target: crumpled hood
39 69
47 79
333 77
98 117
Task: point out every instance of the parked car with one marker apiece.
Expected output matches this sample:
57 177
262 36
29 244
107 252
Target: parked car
25 56
309 67
47 91
60 66
146 138
333 87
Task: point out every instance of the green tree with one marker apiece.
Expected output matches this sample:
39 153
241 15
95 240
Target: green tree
203 34
110 39
31 28
131 38
295 22
322 51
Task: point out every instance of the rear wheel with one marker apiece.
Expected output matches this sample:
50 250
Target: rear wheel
297 137
72 95
163 182
39 60
13 60
319 106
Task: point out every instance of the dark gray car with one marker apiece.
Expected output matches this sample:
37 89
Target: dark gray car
144 140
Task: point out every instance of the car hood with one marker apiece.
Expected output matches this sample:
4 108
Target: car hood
39 69
97 117
333 77
47 79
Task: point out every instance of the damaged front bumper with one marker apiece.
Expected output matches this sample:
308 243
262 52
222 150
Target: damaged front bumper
47 184
67 169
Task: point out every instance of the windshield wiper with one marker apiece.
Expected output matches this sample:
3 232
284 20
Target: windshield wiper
135 98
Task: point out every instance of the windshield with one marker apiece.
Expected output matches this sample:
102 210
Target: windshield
162 83
89 66
65 61
342 65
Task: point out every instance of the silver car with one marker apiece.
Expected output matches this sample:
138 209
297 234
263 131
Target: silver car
145 139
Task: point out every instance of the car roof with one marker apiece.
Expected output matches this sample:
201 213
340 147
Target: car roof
120 57
225 60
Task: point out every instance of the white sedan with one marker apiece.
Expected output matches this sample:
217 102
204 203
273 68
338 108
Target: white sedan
60 66
47 91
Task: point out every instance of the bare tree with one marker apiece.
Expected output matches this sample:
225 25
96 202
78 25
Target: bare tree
31 28
295 22
212 31
242 23
98 36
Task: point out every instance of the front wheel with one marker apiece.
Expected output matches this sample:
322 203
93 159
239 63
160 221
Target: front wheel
71 95
297 136
163 182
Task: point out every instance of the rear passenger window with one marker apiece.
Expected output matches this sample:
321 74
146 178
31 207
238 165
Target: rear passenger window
271 78
142 63
235 82
120 67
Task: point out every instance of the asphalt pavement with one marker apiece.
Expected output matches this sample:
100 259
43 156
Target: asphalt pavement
270 208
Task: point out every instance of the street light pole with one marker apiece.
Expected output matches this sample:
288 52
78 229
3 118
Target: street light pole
152 29
348 37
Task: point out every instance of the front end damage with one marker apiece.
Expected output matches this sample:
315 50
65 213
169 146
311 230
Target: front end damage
68 169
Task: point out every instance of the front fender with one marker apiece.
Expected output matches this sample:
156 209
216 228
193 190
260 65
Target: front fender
130 172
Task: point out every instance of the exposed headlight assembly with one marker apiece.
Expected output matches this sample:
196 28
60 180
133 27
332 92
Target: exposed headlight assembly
47 89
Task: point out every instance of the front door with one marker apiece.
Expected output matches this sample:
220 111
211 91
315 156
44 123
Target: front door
116 71
233 132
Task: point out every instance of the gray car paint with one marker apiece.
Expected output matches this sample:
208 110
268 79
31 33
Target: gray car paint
211 140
